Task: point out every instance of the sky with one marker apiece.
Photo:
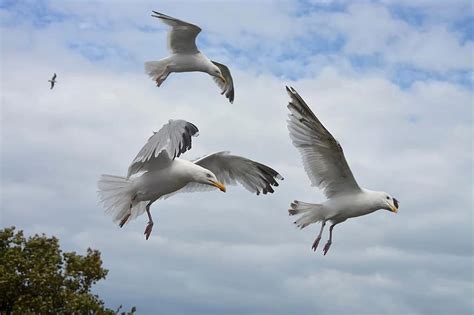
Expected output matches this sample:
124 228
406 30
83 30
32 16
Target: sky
391 80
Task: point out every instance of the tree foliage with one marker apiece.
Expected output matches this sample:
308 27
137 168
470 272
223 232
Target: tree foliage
36 277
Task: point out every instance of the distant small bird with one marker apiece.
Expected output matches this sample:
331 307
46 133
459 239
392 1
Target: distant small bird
157 172
326 166
53 81
185 57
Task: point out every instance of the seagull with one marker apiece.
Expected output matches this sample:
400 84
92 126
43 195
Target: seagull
53 81
326 166
185 57
157 172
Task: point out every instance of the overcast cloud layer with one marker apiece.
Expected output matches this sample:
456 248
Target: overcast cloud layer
392 81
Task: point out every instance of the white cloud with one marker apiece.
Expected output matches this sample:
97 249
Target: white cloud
371 29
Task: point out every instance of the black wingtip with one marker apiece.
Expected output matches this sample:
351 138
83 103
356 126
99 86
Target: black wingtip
157 14
291 91
194 129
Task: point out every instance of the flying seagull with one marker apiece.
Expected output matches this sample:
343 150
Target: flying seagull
186 57
157 172
52 81
326 166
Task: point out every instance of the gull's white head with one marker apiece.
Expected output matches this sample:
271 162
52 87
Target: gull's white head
216 72
387 202
206 177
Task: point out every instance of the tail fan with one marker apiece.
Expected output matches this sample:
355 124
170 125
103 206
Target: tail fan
116 193
311 213
155 68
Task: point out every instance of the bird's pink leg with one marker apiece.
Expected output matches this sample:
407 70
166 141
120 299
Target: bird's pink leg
316 241
149 226
328 244
162 77
125 218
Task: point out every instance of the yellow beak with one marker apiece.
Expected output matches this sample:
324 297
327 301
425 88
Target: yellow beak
223 79
220 186
393 209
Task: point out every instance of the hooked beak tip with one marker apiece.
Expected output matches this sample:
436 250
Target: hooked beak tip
219 186
395 205
223 79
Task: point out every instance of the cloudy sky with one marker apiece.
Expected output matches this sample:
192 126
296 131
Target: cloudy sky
392 80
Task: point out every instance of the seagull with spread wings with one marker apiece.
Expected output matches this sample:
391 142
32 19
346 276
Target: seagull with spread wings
326 166
158 172
52 81
186 57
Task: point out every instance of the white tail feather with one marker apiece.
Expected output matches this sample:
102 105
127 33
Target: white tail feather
312 213
116 193
155 68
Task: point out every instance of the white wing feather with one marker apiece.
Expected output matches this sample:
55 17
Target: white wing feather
231 169
323 157
182 36
169 142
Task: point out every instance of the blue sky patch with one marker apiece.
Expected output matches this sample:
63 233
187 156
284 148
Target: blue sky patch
410 15
37 13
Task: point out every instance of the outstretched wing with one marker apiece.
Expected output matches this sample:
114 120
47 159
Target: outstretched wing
182 36
169 142
54 77
232 169
227 87
323 158
52 84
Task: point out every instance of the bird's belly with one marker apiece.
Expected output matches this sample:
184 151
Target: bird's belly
357 212
350 207
153 185
187 63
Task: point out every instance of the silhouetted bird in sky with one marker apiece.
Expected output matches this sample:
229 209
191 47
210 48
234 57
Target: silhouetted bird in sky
53 81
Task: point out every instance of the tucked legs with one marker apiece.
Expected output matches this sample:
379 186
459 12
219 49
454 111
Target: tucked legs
162 77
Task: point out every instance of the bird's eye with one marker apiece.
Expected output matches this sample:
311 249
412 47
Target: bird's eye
388 198
208 175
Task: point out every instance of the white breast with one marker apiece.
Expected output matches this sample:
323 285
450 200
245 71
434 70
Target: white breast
189 63
349 206
153 185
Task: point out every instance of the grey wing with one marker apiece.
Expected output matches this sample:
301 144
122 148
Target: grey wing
182 36
227 87
231 169
323 157
169 142
52 84
54 77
